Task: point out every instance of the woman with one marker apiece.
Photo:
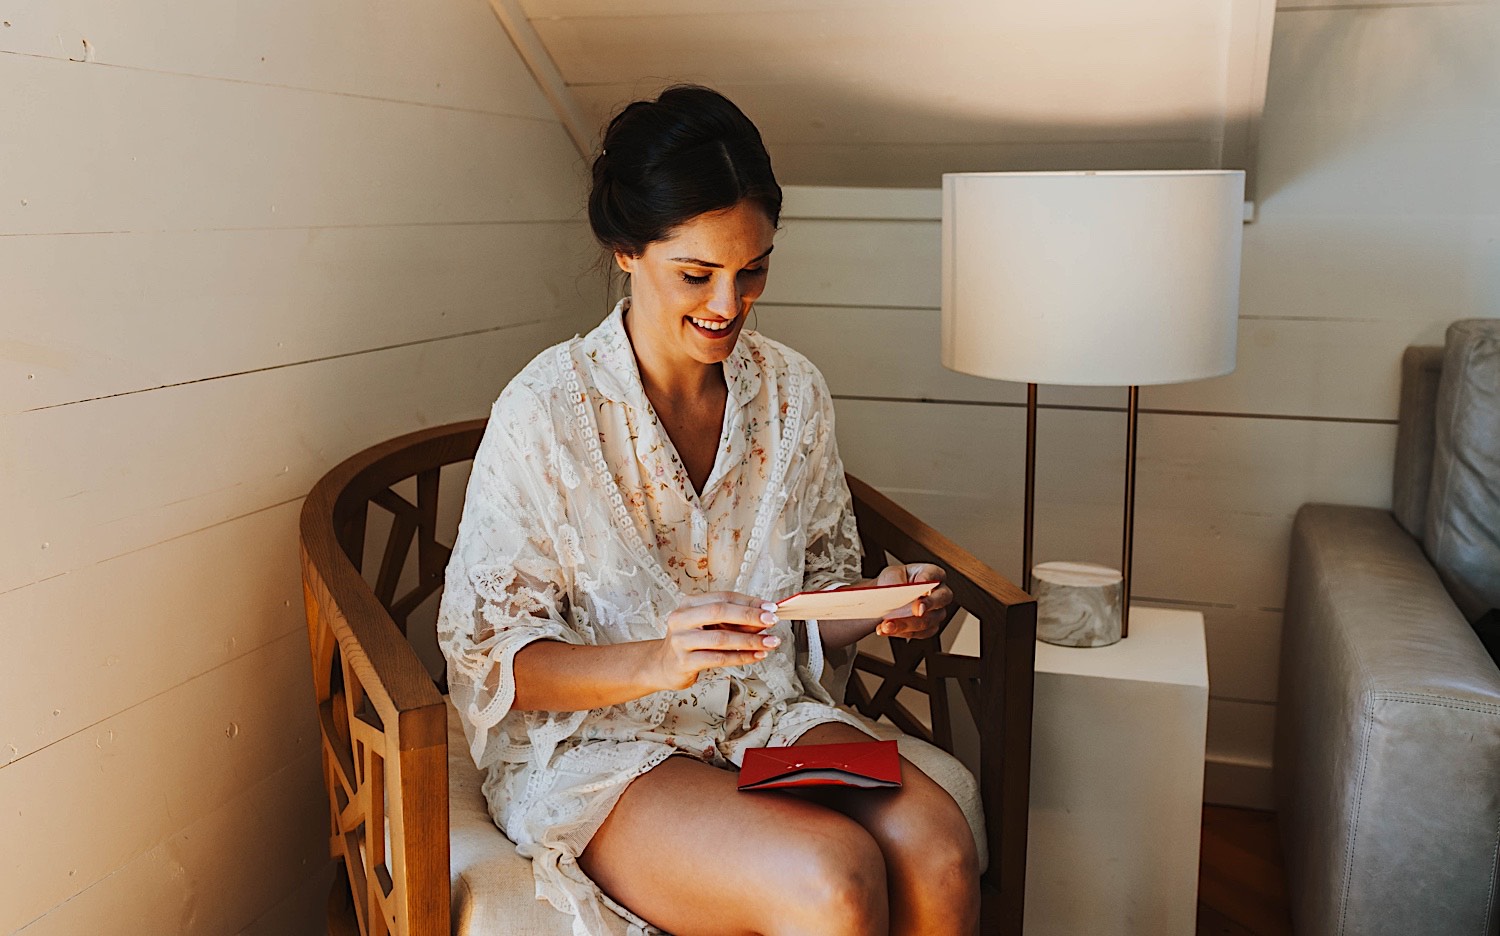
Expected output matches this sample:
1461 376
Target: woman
640 495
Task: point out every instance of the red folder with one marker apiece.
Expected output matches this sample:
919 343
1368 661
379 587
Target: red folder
868 764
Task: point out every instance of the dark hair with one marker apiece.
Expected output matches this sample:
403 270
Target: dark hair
665 161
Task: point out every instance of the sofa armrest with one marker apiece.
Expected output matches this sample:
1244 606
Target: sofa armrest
1387 737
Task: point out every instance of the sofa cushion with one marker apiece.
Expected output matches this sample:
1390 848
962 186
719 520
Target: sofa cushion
1462 531
1421 369
493 890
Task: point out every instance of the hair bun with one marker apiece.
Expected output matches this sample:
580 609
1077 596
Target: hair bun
689 151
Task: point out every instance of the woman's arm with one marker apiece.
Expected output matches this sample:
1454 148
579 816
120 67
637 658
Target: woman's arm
704 632
553 676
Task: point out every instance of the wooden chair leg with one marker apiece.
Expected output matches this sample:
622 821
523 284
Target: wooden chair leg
341 917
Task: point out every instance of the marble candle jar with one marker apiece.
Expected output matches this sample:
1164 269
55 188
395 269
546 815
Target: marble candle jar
1077 603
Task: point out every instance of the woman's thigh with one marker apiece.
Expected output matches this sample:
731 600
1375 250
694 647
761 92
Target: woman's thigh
928 847
687 851
919 794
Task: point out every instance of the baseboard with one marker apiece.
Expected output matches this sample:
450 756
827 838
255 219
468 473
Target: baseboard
1237 783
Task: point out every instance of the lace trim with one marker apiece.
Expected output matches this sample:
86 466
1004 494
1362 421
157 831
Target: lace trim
486 718
771 507
589 429
815 660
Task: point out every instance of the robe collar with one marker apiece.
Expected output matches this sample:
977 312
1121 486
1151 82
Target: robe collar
617 376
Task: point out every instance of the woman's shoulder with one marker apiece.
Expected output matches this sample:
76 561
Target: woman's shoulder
538 389
785 364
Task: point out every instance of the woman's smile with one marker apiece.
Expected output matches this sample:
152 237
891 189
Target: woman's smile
714 329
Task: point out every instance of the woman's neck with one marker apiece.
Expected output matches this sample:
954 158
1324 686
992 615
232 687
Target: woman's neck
667 377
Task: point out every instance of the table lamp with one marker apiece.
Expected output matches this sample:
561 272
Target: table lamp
1093 279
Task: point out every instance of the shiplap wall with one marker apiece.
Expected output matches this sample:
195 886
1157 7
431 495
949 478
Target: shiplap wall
1378 226
238 242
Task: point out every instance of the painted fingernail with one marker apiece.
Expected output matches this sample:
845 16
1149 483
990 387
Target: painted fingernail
768 618
768 606
760 654
771 641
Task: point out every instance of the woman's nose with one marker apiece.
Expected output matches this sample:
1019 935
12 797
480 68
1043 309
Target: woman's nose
725 300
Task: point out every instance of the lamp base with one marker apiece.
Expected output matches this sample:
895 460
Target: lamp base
1078 604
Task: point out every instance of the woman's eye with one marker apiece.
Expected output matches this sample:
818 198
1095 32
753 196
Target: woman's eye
754 271
695 280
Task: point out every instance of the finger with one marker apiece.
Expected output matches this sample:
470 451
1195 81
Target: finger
891 575
916 609
915 631
721 597
926 572
721 613
912 627
708 659
698 641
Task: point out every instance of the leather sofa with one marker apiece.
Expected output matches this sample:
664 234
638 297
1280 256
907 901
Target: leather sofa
1387 760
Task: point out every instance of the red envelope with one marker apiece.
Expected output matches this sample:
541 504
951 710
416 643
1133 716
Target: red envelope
867 764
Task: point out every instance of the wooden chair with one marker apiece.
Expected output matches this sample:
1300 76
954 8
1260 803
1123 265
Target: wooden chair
384 718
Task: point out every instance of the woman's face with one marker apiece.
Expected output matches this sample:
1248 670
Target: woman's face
691 290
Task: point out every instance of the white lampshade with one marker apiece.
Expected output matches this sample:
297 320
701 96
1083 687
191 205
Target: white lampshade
1091 278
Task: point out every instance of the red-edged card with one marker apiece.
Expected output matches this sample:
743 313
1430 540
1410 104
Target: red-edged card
866 764
854 602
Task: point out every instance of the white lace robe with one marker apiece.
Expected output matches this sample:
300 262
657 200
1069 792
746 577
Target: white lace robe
580 525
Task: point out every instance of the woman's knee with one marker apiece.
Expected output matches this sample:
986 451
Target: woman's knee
932 840
949 862
833 880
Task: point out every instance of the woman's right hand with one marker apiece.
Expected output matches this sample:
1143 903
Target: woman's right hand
707 631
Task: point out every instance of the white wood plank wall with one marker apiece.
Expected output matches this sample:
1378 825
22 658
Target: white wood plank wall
1378 226
238 242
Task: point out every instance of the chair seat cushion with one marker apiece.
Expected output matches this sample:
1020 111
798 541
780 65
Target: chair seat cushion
493 888
493 891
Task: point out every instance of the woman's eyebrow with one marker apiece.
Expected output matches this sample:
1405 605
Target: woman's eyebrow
719 266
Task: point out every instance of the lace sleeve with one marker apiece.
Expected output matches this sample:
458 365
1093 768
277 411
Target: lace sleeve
505 586
833 546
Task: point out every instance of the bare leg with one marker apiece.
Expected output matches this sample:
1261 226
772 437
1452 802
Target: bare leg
933 868
687 851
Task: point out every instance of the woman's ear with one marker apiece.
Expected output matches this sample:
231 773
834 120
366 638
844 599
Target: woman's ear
625 262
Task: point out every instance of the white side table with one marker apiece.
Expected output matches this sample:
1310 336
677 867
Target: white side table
1117 750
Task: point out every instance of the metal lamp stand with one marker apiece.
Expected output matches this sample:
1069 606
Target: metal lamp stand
1132 412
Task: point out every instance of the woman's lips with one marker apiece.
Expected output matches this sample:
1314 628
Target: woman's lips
709 333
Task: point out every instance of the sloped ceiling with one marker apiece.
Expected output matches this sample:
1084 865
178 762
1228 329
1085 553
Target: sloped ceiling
886 93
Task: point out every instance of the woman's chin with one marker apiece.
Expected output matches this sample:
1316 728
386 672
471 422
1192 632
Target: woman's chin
711 347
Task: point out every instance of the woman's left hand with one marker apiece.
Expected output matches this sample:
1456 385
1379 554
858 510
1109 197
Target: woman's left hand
922 617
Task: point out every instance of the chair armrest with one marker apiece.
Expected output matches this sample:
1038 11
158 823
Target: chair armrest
998 685
1387 737
384 737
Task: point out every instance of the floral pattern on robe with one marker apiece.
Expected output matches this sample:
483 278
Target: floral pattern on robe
580 525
